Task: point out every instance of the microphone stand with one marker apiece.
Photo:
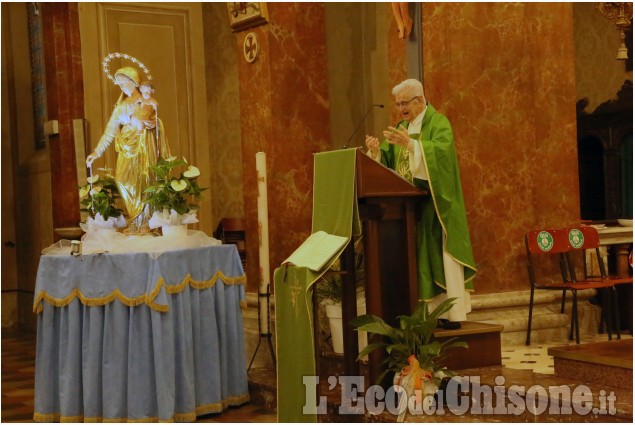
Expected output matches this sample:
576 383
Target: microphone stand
362 121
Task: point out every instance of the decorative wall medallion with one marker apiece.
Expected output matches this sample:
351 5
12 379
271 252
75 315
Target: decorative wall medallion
251 47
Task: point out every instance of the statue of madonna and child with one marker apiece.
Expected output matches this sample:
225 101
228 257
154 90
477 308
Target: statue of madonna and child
139 139
144 181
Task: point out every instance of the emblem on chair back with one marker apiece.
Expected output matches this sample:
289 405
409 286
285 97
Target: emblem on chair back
590 237
547 241
576 238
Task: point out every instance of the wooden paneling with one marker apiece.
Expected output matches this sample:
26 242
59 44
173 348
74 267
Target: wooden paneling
168 39
9 259
31 191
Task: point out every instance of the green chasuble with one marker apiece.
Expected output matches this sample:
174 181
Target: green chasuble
444 212
334 212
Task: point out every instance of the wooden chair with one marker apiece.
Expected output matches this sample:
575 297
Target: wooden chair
592 241
232 231
560 244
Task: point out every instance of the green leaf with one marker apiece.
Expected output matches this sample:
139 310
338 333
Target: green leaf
381 377
370 348
453 343
397 348
442 308
372 324
434 348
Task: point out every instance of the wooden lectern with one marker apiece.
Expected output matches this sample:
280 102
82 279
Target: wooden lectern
388 211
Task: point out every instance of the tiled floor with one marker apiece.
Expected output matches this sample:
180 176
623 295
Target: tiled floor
535 357
18 369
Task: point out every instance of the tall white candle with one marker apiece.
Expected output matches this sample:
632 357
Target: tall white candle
263 238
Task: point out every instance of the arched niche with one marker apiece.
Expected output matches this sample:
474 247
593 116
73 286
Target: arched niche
591 177
605 146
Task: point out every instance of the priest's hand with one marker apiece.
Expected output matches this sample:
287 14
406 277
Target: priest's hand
397 136
372 143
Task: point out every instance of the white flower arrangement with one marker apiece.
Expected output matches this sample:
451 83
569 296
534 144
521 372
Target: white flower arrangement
172 198
100 199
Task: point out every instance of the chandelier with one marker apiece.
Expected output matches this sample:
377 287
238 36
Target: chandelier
621 14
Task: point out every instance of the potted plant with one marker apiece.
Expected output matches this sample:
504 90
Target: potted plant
100 199
173 198
414 356
328 292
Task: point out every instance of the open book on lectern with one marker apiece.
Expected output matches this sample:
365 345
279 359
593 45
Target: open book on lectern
317 250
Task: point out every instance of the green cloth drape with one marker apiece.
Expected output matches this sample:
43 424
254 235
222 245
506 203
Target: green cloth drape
335 212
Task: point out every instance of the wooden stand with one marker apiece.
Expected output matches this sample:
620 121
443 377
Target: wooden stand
387 208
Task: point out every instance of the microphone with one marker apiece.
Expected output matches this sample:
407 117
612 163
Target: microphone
370 108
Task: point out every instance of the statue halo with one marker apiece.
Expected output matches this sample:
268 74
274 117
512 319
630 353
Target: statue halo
106 65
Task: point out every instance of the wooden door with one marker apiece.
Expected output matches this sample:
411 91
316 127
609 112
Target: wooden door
168 39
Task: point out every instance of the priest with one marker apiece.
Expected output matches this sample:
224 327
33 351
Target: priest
421 149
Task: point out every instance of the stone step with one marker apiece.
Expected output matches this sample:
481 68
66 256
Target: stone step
609 362
511 310
263 388
483 345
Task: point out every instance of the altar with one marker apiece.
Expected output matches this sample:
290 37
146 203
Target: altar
139 336
621 238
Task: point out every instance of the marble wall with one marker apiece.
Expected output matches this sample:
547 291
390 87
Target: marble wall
599 76
397 59
504 75
284 113
223 113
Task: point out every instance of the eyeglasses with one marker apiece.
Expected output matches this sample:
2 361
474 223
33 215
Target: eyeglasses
404 103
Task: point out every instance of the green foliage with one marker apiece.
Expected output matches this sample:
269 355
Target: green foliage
415 335
329 287
173 193
103 199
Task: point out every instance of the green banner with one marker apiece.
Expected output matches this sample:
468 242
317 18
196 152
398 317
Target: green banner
334 212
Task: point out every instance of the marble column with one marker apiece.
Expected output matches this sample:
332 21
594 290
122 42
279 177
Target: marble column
65 102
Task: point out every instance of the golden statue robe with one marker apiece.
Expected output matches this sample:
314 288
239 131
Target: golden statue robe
136 147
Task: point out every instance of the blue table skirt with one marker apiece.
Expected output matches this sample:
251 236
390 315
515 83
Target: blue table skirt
99 359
